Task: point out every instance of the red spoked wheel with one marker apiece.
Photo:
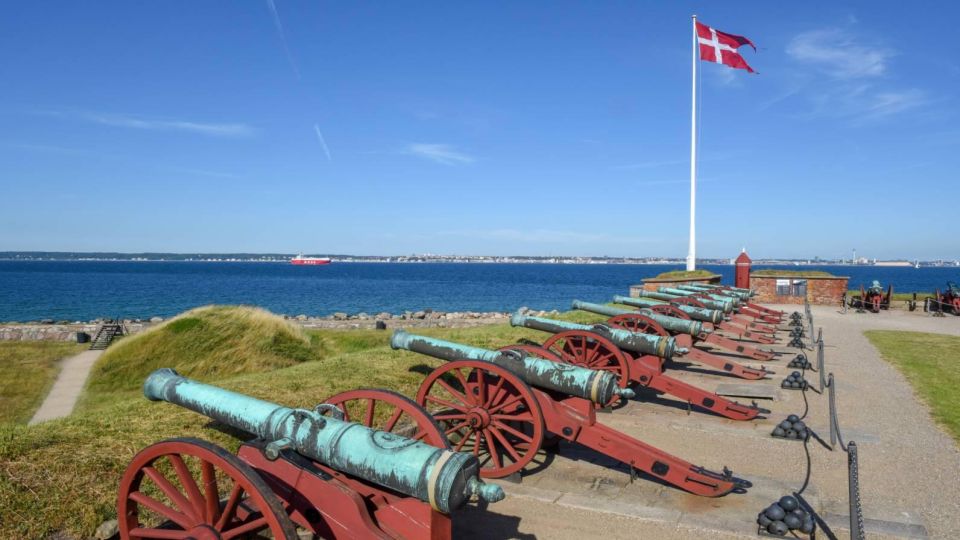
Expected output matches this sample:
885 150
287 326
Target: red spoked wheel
687 301
151 504
670 311
636 322
486 410
389 411
592 351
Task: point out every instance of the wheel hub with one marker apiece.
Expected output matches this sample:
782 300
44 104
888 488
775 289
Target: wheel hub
204 532
478 418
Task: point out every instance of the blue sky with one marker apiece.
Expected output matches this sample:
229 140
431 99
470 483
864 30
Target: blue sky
490 128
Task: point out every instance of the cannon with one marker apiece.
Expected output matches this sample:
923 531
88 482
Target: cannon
744 295
752 310
683 330
728 304
947 301
331 476
495 405
871 298
747 293
682 311
603 347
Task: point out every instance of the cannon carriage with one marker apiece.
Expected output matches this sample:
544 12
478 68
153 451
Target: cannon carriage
744 326
390 474
504 406
947 301
871 298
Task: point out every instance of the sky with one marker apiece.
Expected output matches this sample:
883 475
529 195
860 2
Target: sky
500 128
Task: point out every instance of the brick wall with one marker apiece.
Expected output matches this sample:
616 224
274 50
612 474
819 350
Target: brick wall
824 291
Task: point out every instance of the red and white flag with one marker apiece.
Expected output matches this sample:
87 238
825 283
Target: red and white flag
722 48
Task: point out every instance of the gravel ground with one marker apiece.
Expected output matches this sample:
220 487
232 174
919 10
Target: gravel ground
909 468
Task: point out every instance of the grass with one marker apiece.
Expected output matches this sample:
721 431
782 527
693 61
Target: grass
39 498
929 361
27 371
683 274
792 273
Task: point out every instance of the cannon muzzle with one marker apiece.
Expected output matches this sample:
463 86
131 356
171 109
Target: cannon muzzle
441 477
716 298
597 386
673 324
664 347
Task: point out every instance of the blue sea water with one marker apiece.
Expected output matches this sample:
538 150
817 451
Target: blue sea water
84 290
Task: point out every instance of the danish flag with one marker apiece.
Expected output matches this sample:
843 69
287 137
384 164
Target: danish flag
722 48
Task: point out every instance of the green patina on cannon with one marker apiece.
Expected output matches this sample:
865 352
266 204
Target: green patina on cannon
597 386
444 478
714 316
739 294
726 307
673 324
734 302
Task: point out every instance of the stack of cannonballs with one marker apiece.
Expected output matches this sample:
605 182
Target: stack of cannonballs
784 516
796 318
800 362
791 428
795 381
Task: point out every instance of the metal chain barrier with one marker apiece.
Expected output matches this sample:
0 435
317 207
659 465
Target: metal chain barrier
856 510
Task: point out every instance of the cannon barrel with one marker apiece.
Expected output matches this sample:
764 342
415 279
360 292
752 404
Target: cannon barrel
664 347
726 307
597 386
673 324
715 297
722 293
444 478
749 292
714 316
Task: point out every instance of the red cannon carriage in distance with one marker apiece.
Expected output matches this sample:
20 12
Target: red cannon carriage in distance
744 295
872 298
698 312
314 468
634 357
685 331
947 301
742 326
744 308
504 406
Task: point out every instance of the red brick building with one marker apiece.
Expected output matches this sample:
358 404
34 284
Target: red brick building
792 289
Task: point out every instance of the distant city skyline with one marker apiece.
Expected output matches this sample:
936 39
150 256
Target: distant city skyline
556 129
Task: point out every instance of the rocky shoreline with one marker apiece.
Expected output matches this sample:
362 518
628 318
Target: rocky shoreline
51 330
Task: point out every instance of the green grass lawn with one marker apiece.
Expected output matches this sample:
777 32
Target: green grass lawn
27 371
931 362
37 495
681 274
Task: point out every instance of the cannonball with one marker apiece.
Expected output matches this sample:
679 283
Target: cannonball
785 384
795 374
795 384
779 432
763 520
778 528
793 418
807 526
800 513
774 512
788 503
802 434
791 434
786 424
799 426
792 521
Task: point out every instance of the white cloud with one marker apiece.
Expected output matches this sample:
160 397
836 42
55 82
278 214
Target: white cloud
887 103
323 142
439 153
838 53
137 122
283 36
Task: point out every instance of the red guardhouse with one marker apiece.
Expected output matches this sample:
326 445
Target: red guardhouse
741 277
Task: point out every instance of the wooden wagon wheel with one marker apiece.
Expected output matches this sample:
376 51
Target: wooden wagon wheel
491 413
670 311
398 414
592 351
550 441
638 322
152 505
688 301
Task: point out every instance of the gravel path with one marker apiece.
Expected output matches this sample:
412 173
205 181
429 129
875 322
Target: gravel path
66 389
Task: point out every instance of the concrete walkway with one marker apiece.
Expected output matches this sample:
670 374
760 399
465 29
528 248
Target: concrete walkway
66 389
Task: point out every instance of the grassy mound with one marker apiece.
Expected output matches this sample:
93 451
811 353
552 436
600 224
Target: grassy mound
27 371
685 274
206 343
929 361
792 273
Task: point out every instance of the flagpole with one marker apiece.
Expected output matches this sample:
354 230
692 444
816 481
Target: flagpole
692 254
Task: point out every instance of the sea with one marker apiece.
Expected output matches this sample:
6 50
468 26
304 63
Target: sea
85 290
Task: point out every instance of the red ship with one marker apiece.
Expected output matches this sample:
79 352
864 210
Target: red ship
309 261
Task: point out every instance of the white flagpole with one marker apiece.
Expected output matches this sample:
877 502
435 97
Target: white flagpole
692 255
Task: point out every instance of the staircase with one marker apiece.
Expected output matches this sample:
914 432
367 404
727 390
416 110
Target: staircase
107 332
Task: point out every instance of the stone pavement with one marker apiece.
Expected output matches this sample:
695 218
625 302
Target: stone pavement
67 388
909 468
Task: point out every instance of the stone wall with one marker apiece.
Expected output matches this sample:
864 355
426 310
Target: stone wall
820 290
652 284
55 332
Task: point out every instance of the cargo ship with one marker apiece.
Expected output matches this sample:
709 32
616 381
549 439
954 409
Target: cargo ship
309 261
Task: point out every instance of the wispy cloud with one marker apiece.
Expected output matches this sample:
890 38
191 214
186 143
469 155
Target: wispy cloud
153 124
283 36
323 142
439 153
838 53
